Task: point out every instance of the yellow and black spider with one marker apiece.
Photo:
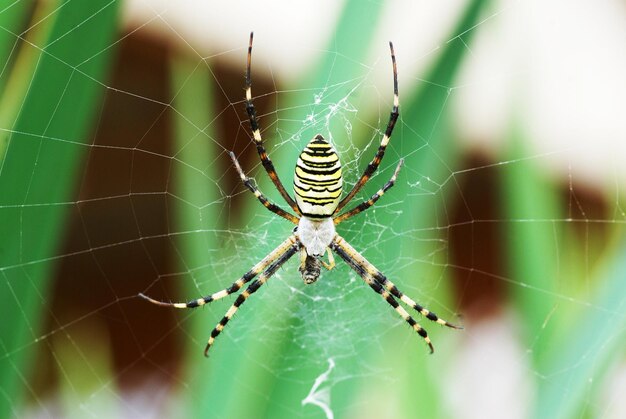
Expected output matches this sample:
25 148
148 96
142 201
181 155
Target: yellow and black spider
317 186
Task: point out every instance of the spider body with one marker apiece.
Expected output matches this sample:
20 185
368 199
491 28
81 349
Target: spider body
317 181
317 184
318 204
315 236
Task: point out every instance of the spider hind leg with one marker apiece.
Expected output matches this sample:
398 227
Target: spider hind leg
379 283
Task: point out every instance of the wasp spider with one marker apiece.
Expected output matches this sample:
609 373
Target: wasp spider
317 186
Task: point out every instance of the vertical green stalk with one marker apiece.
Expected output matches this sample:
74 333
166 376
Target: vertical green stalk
592 340
197 215
571 345
12 22
18 64
433 155
43 153
533 247
86 373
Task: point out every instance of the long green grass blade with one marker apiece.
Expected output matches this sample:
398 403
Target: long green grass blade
533 246
197 210
38 174
590 343
86 373
431 154
12 22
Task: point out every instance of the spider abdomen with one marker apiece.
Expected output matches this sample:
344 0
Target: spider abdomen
317 181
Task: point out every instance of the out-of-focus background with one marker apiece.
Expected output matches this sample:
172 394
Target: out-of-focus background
116 119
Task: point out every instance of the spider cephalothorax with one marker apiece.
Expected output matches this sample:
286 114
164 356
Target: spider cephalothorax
318 205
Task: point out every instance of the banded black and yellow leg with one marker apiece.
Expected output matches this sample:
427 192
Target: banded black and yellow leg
252 288
276 254
266 203
390 286
258 140
377 286
393 117
387 284
366 204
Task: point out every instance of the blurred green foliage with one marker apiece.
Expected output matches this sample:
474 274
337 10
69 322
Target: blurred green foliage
54 91
51 87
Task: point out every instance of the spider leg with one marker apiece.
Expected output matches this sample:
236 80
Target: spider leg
351 257
303 256
370 269
373 165
331 261
408 301
252 288
266 203
258 140
366 204
276 254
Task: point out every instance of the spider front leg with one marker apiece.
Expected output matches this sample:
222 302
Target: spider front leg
393 118
258 140
366 204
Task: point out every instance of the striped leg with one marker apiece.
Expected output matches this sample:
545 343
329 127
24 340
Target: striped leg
408 301
276 254
256 133
393 117
346 253
266 203
366 204
252 288
390 286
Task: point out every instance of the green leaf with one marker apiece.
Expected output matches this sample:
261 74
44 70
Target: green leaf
431 155
68 63
533 247
592 340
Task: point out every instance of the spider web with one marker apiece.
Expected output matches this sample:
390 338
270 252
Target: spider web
158 209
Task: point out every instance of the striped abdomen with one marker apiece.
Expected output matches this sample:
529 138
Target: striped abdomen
317 182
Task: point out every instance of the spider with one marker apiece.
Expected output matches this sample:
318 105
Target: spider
317 186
